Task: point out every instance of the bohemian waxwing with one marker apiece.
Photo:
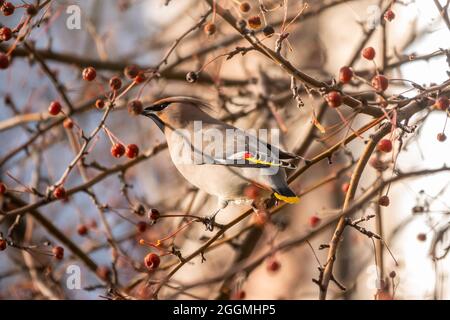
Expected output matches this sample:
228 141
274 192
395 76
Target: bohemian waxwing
216 157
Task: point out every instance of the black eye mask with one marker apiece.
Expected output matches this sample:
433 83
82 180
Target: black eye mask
155 108
150 112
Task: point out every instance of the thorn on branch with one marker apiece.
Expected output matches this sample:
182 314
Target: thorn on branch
337 283
320 279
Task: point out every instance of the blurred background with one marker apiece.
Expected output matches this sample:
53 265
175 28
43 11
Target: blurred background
325 37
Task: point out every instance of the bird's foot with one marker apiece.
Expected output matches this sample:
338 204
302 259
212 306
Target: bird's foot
210 222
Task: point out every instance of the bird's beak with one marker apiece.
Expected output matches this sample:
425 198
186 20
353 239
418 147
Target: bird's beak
150 112
147 112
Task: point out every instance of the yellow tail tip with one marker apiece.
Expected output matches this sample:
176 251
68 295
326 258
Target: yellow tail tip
290 200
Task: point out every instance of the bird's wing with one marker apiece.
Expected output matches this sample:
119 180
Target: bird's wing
242 149
253 160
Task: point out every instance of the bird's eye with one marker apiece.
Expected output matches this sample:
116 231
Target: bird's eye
157 107
160 107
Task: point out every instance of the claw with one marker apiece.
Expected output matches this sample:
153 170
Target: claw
209 222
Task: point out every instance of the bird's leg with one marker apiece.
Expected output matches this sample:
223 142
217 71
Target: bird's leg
210 221
254 207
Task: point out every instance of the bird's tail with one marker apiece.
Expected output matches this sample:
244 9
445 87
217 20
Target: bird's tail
287 195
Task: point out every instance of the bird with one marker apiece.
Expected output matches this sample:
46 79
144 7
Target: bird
218 158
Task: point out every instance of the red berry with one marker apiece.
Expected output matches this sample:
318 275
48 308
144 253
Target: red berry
152 261
422 237
252 192
82 230
345 74
368 53
384 201
5 34
117 150
153 214
131 71
334 99
103 272
135 107
140 78
380 82
59 193
441 137
273 265
254 22
314 220
31 10
442 103
345 186
210 29
132 151
245 7
100 104
141 226
4 61
385 145
54 108
58 252
89 74
3 244
383 295
2 188
238 295
389 15
68 123
115 83
8 9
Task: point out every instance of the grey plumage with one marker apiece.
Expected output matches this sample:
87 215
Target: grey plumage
243 160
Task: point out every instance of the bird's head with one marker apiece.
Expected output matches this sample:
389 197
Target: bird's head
176 112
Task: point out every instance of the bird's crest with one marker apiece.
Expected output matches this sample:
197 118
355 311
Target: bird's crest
185 99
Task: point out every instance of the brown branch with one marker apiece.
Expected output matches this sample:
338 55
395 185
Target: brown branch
328 270
84 186
334 243
184 35
288 67
295 242
247 213
50 74
55 232
368 35
443 13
